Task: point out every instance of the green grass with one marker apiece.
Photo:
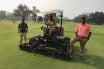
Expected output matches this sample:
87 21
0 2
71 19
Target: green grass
13 58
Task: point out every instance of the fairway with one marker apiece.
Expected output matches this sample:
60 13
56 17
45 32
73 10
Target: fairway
11 57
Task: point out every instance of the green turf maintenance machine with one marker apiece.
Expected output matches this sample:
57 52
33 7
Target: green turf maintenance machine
49 43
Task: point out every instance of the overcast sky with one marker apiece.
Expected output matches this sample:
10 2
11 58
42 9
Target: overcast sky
71 7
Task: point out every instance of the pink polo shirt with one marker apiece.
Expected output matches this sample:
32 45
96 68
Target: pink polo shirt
83 29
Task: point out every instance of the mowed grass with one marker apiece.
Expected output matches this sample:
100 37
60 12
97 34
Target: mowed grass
11 57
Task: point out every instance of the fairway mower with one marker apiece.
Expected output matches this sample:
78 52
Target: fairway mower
54 43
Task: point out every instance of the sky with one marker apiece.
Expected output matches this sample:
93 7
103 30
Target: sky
71 8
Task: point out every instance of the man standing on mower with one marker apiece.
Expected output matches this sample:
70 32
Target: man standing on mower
22 30
82 34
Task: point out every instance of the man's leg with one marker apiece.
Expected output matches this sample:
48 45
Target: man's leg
21 38
82 46
72 42
25 37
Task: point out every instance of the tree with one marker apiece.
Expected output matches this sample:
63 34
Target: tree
99 18
66 19
2 15
22 11
77 18
94 18
40 18
11 17
34 13
46 18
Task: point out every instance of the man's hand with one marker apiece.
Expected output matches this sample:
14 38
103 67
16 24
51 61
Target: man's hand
87 39
89 36
76 34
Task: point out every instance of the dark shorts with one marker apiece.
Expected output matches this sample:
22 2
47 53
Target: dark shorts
23 31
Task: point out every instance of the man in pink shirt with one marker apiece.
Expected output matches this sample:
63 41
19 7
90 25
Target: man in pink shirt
82 34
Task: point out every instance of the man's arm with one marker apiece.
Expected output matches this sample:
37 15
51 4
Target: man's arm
26 28
76 30
19 28
76 34
90 33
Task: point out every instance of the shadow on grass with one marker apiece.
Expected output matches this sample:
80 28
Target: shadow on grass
92 60
52 54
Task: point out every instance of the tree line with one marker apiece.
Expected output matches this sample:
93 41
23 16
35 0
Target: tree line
93 18
22 11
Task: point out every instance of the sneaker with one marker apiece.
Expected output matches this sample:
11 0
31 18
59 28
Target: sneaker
70 53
